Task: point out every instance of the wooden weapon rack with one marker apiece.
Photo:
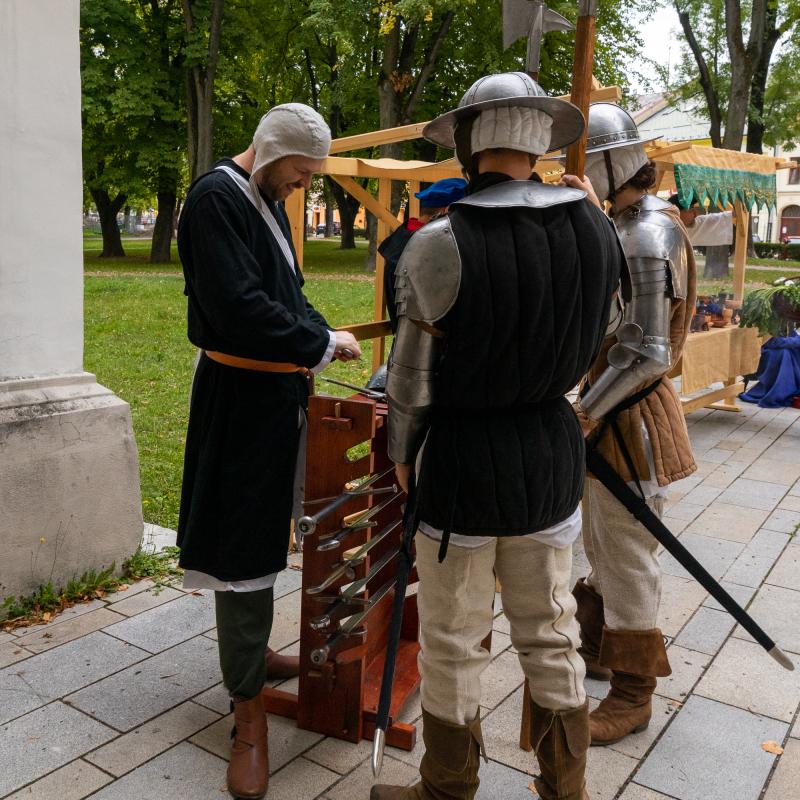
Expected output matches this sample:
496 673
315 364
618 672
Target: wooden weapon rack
347 440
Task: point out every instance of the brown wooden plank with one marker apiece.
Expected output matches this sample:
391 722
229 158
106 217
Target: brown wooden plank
369 330
284 704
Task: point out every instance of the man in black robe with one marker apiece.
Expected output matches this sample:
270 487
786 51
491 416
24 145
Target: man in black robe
259 339
502 305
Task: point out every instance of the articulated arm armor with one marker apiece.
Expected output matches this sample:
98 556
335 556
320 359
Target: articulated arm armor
427 280
656 255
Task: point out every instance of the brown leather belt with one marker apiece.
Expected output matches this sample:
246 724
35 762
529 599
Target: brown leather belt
255 364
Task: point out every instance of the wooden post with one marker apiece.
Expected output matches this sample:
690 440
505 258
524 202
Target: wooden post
413 202
582 80
742 216
385 199
295 205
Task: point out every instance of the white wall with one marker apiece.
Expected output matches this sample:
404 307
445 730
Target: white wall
41 270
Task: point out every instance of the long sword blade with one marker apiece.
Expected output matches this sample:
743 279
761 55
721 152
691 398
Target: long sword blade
605 473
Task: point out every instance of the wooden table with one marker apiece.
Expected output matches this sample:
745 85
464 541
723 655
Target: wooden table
714 356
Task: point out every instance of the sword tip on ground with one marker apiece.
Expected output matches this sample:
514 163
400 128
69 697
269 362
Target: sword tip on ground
377 751
781 658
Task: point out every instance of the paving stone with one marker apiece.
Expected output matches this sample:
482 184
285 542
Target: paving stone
501 623
637 744
790 503
795 732
286 740
785 782
412 710
498 780
169 624
154 737
606 772
676 526
685 511
716 555
65 669
743 675
635 792
11 652
72 782
300 780
706 631
285 622
340 756
357 784
785 450
773 471
777 610
65 616
44 740
783 520
786 571
753 494
142 691
757 558
715 455
687 667
795 490
741 594
706 732
680 598
288 581
724 475
595 689
183 773
131 589
216 698
51 636
734 523
145 600
500 679
702 495
501 735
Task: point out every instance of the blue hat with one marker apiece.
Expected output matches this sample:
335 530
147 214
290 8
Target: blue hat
442 193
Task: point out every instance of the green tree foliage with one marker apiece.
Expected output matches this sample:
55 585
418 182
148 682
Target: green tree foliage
729 47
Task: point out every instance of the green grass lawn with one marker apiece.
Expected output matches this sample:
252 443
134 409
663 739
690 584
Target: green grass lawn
135 342
321 256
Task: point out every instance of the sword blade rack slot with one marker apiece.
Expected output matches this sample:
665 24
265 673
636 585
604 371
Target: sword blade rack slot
346 604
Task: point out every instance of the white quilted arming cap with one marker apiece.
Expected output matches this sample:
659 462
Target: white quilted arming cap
291 129
512 127
625 163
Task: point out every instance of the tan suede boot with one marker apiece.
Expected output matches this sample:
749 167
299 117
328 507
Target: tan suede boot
280 667
248 770
560 740
636 659
591 619
449 768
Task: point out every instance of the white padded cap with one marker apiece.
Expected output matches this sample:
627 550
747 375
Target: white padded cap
512 127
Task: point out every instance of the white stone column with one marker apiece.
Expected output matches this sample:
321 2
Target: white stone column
69 480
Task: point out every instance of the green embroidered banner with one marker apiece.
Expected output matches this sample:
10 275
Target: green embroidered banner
723 186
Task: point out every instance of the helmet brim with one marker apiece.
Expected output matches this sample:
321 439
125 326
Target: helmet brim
612 146
568 122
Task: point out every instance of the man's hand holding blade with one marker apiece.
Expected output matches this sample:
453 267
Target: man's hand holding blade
347 348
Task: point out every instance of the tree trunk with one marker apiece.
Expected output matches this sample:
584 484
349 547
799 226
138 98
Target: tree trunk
162 232
107 209
348 208
717 262
200 83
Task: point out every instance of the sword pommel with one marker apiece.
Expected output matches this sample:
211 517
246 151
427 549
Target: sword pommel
378 743
781 658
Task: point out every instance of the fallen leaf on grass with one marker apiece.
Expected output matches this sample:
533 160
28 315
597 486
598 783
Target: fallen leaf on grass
772 747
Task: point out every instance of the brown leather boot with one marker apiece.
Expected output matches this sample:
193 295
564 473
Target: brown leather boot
248 770
449 768
281 667
560 740
591 619
636 659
